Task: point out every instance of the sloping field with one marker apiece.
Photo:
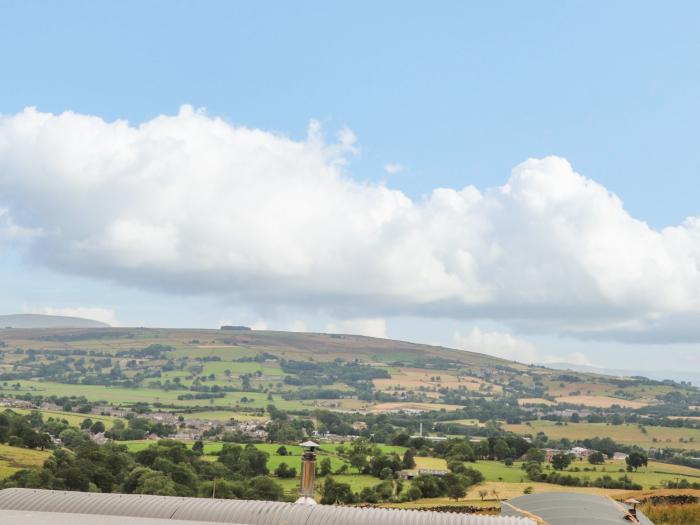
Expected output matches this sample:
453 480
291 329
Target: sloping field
602 401
13 459
525 401
386 407
686 438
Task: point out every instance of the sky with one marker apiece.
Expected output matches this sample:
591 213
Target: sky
515 178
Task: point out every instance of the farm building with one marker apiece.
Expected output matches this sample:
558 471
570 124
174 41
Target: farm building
46 507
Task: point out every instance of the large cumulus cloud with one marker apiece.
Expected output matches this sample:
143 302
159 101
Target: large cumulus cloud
192 204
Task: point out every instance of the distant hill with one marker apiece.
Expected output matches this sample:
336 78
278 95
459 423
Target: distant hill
47 321
659 375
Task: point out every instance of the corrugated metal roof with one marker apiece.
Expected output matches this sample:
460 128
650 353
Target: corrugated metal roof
30 517
231 511
570 508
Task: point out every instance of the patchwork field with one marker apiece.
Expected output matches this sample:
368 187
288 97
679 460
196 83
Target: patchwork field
602 401
626 434
417 379
385 407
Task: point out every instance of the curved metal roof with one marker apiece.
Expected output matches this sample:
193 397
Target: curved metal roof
231 511
570 508
27 517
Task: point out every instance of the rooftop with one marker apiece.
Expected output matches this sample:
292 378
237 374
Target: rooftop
571 508
74 508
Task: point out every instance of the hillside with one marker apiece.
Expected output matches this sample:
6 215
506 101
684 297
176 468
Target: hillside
269 388
47 321
194 367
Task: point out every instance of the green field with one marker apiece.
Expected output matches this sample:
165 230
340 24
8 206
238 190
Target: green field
665 437
356 482
118 396
13 459
73 418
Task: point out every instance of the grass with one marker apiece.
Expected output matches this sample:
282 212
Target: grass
118 395
654 475
13 459
222 415
673 514
293 459
431 463
73 418
625 434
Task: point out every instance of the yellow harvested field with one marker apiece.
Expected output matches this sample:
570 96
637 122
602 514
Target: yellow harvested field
601 401
504 491
513 490
386 407
406 378
579 388
432 463
525 401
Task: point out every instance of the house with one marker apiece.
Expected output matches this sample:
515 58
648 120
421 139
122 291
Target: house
581 452
549 453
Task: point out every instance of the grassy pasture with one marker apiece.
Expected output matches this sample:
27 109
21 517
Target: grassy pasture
117 395
73 418
626 434
13 459
430 463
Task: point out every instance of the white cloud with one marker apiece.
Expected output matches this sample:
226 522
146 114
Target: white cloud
297 326
10 231
259 325
579 358
392 168
368 327
499 344
104 315
193 204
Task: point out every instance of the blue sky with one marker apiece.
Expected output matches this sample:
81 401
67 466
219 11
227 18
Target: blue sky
454 93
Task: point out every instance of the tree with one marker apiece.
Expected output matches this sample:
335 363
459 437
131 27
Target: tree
325 467
358 460
285 471
456 490
534 454
97 427
408 461
483 493
87 423
282 451
596 458
333 492
636 459
198 447
561 461
244 462
156 483
413 493
501 450
264 488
